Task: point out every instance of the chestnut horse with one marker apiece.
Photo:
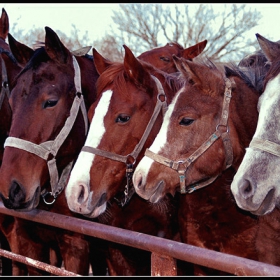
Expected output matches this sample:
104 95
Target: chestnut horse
197 151
161 57
131 101
49 100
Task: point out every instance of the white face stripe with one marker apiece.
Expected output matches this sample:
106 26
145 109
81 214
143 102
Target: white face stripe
161 138
81 169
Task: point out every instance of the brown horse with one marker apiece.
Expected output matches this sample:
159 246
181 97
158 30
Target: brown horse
9 68
49 100
131 101
200 146
162 59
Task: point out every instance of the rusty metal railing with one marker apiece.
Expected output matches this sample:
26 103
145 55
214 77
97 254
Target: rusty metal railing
165 252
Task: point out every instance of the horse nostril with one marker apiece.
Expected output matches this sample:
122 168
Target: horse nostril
246 188
16 194
83 193
138 181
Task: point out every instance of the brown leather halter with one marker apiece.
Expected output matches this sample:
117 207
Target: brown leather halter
48 150
181 166
130 159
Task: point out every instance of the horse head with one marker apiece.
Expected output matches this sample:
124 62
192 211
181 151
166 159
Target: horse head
49 122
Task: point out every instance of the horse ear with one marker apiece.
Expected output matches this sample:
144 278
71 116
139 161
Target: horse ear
54 47
184 67
194 51
101 63
4 24
270 49
21 52
135 70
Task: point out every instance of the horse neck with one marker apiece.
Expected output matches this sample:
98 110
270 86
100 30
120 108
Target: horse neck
89 77
243 117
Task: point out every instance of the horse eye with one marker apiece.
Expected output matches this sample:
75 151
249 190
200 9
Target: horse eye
186 121
122 118
164 58
50 103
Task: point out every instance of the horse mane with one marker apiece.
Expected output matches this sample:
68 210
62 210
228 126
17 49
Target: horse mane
9 54
115 74
272 72
252 76
40 55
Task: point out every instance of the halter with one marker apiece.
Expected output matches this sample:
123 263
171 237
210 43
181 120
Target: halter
181 166
130 159
266 146
48 150
5 90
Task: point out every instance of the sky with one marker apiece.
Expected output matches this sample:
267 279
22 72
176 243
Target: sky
96 18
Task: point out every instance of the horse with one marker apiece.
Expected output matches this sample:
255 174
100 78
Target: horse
49 101
9 68
131 100
196 153
258 61
161 57
255 185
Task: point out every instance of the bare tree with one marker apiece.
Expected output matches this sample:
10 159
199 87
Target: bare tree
145 26
36 37
109 48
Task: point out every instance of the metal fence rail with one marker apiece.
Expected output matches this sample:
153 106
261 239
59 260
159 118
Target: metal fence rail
165 252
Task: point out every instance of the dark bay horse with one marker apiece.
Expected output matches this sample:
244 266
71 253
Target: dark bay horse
197 151
49 101
162 59
122 125
9 68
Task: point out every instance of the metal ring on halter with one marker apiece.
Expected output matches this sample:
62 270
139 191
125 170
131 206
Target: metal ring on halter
4 84
50 194
129 156
222 125
161 95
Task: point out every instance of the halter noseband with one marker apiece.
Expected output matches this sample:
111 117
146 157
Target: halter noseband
181 166
48 150
161 105
266 146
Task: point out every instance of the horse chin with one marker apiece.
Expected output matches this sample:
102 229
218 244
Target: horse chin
158 194
98 208
25 206
97 211
267 205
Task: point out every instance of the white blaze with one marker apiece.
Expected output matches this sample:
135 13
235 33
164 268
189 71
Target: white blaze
81 169
144 165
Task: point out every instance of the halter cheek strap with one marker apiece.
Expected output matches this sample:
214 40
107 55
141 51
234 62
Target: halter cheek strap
48 150
5 85
181 166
